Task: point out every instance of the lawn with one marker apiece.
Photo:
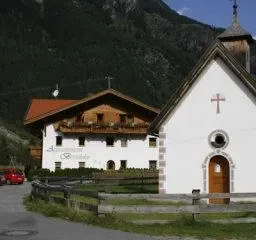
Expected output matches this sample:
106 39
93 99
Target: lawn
129 188
178 224
181 225
91 200
77 198
174 216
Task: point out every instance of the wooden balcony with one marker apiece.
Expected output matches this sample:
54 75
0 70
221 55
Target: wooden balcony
103 128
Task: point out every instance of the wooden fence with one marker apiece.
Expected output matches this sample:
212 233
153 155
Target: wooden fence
178 203
44 192
192 203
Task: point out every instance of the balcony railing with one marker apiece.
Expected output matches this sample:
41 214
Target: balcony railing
92 127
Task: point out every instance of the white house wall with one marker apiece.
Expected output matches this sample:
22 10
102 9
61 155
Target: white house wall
184 152
95 153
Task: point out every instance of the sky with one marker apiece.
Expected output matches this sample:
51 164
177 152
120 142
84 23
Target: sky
217 12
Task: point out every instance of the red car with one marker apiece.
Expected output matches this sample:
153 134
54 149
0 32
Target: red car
13 175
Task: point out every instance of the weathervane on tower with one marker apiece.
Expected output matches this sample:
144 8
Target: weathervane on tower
235 6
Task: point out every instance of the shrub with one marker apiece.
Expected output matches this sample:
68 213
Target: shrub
130 172
67 172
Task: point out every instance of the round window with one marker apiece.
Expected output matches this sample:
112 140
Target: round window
218 139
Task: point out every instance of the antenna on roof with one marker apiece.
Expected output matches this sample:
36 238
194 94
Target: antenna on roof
56 92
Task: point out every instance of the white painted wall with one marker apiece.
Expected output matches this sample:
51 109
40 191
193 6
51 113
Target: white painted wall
189 126
95 153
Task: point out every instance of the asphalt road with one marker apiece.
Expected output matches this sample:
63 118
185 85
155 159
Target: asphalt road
17 223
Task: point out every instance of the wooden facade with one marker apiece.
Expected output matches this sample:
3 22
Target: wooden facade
240 49
237 46
106 116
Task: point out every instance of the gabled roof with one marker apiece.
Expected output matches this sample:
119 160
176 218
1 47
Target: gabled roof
39 115
217 49
39 107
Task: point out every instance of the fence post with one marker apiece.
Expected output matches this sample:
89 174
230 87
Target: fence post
37 191
66 195
46 194
196 200
32 193
101 201
142 184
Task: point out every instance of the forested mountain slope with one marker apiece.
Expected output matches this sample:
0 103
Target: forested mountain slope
145 46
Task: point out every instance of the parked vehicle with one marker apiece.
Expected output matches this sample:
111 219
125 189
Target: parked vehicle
2 178
13 175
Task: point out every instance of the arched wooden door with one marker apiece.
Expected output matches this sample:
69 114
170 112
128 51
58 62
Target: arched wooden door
110 165
219 179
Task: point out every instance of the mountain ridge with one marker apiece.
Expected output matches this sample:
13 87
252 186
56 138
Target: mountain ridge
144 45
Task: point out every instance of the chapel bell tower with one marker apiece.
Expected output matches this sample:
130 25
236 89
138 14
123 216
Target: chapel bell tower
237 40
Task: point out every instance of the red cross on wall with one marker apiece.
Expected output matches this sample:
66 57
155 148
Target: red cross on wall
218 98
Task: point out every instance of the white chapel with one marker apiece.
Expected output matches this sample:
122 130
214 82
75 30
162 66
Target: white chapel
207 130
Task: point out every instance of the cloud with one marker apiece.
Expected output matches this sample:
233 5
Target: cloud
182 11
254 37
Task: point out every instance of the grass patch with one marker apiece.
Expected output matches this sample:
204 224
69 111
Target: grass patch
186 226
213 216
77 198
182 225
56 210
147 188
174 216
128 202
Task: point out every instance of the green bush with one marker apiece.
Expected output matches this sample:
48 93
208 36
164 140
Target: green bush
67 172
130 172
91 172
38 173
